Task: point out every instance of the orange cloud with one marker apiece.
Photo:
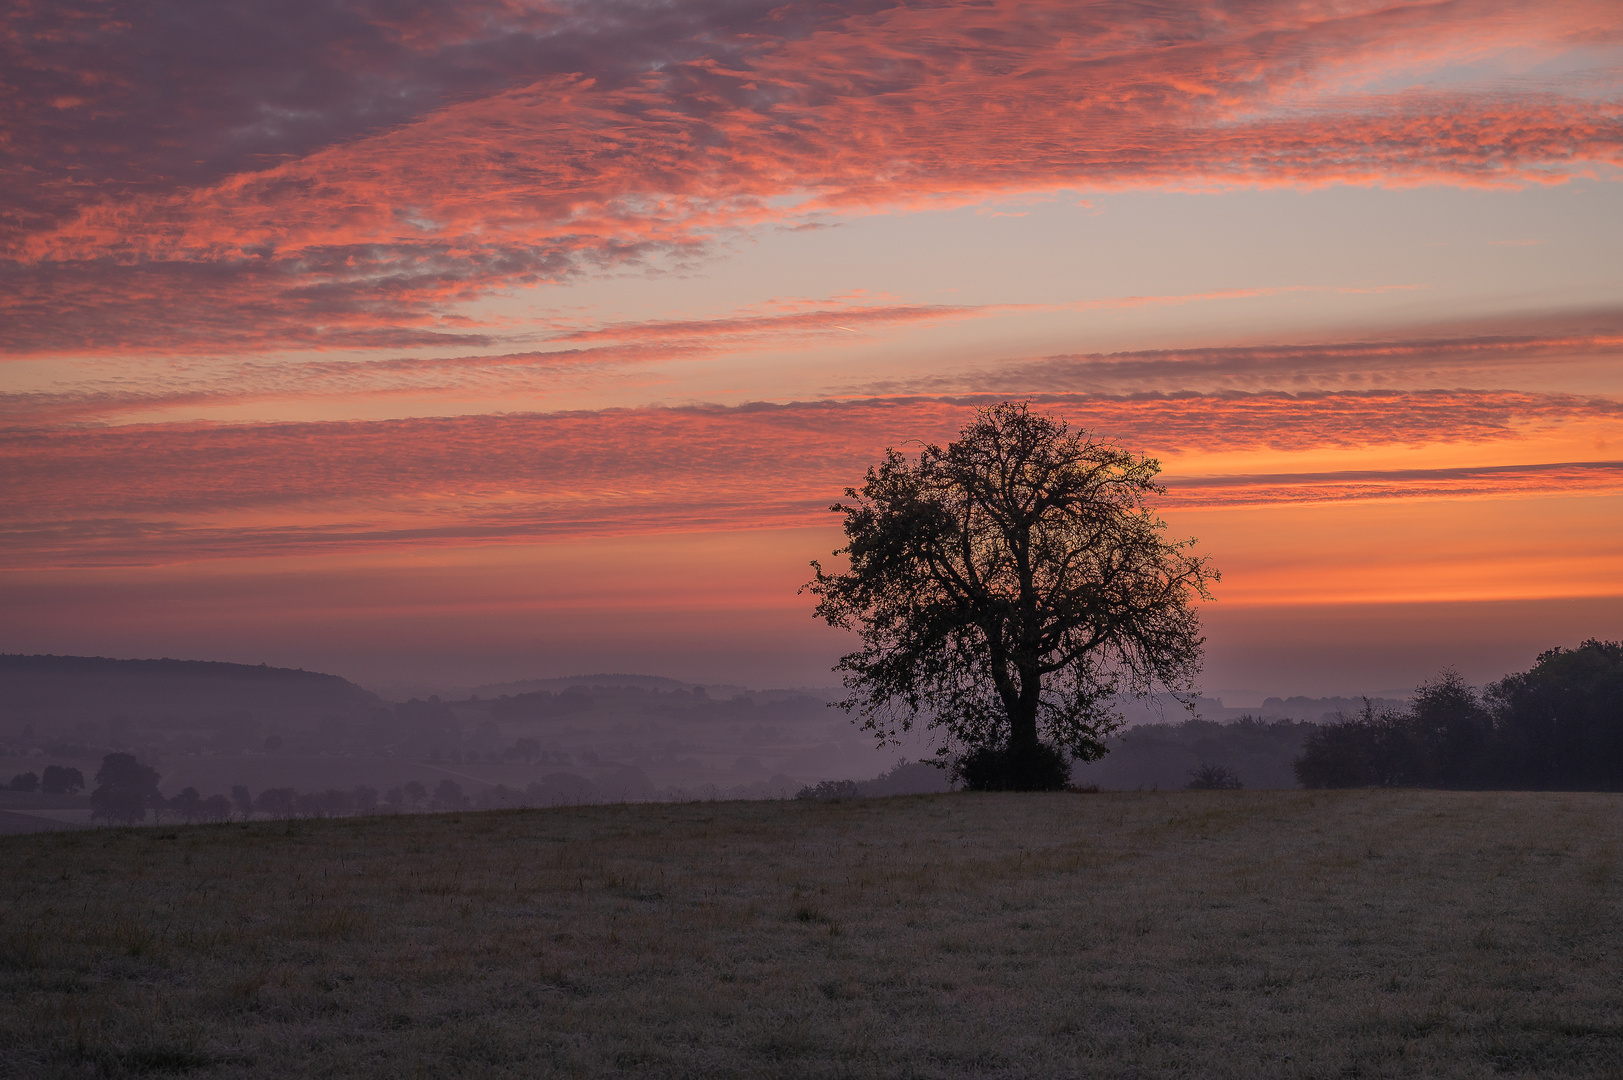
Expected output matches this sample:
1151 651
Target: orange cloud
158 493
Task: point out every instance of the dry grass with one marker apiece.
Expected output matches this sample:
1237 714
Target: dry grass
1150 934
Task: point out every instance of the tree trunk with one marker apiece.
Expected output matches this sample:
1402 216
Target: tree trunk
1023 718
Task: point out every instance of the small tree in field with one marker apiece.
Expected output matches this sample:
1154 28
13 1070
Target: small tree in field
1008 588
125 788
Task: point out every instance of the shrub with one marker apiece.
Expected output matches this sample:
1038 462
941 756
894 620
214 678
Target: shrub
829 790
1038 768
1213 778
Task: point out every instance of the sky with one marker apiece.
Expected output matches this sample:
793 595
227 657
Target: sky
441 344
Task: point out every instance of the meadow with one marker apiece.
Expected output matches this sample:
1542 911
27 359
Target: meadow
1132 934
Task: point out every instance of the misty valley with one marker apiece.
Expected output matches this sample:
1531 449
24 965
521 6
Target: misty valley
233 741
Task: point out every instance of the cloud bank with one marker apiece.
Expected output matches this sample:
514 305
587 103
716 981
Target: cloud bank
258 176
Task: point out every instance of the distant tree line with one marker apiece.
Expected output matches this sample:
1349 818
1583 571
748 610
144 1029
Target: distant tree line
127 792
1557 726
903 778
58 780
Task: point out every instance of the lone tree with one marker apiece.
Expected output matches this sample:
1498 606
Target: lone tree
1008 588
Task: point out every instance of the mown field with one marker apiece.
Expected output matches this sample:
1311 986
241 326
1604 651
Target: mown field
1213 934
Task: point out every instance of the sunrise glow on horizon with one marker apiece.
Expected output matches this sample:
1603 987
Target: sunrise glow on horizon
480 341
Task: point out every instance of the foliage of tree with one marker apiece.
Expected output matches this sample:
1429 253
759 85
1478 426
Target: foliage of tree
276 802
124 789
24 782
1558 726
1375 748
62 780
216 808
188 805
1006 590
525 750
1448 728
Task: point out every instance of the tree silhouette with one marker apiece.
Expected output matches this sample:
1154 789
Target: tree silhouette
1560 724
276 802
124 789
188 804
62 780
1376 748
216 808
1450 728
1007 588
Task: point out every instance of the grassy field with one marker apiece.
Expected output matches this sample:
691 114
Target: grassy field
1213 934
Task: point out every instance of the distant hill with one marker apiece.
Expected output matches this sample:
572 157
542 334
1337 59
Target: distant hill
1306 708
56 696
531 686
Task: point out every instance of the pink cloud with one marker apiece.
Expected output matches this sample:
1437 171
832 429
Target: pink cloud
1568 478
496 146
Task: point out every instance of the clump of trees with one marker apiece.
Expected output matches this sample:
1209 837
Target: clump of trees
1556 726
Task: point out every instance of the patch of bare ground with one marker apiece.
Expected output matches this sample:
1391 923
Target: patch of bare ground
1212 934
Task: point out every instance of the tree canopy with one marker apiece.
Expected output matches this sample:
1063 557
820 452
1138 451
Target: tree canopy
124 787
1007 589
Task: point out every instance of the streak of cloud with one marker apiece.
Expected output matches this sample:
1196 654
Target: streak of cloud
1472 353
153 493
1560 478
1476 352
